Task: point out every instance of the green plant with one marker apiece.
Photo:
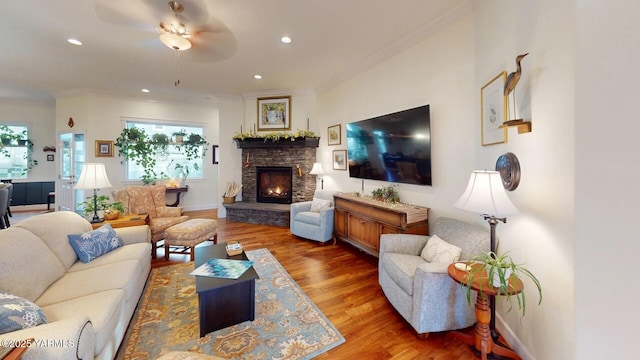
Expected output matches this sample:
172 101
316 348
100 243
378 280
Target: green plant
499 269
387 194
134 145
275 136
195 146
102 203
178 136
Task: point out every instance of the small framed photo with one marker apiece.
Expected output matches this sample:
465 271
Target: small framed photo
339 159
334 135
493 106
104 148
274 113
49 157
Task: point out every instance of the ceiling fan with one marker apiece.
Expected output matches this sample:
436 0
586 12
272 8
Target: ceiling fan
174 34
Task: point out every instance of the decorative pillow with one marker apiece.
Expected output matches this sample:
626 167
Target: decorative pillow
319 204
440 251
17 313
93 244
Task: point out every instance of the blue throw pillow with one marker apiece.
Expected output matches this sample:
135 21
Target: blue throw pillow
93 244
17 313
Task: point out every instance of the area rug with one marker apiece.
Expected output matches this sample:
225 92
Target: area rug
288 325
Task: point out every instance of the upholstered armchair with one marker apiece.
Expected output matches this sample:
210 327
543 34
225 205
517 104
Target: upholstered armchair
151 200
421 291
313 220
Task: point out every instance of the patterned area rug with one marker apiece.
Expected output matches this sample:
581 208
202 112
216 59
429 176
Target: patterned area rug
288 325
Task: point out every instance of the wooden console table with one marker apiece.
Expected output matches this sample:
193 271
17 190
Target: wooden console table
125 221
361 220
481 337
178 191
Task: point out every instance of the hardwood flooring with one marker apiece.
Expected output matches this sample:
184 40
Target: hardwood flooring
343 282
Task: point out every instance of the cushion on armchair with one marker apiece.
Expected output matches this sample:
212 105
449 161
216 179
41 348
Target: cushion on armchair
440 251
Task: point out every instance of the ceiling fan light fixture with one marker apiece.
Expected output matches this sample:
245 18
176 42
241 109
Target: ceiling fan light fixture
175 41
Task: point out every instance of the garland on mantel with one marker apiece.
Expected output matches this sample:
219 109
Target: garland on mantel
275 136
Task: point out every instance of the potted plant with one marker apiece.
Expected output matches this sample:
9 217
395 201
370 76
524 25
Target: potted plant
499 269
134 145
7 136
103 207
387 194
178 136
193 146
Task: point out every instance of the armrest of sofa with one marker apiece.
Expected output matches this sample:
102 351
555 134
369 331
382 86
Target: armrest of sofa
134 234
168 211
71 338
402 243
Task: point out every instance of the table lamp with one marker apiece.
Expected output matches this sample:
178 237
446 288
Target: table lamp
93 176
485 195
317 170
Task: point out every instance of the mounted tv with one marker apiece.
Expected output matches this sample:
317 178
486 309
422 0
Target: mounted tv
394 147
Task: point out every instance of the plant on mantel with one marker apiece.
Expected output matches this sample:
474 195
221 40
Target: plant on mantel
275 136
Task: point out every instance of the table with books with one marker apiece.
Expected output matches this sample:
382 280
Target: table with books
225 286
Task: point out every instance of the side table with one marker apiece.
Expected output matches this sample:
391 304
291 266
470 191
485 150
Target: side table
125 221
481 338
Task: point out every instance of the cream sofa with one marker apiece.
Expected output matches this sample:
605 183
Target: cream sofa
88 305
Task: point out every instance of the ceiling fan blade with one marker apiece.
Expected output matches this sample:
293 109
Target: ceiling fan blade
135 14
212 46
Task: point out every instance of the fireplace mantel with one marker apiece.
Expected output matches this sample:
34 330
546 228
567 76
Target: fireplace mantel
258 143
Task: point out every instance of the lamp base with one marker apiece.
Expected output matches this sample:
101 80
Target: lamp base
95 221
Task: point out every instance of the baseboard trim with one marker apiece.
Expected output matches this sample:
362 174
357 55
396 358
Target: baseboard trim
513 340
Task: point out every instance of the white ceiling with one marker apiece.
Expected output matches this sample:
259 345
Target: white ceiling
332 39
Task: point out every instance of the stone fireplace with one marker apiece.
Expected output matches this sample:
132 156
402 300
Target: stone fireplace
286 157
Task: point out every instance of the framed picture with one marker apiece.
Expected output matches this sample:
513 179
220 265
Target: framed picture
334 134
104 148
493 111
339 159
49 157
274 113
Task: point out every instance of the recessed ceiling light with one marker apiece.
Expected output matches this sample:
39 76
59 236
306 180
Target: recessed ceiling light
257 76
145 90
74 41
285 40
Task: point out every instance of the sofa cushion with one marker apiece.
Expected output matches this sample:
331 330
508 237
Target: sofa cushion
318 205
104 310
28 265
47 228
401 268
138 252
18 313
440 251
93 244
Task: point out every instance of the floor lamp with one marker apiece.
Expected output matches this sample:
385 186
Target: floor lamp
93 176
317 170
485 195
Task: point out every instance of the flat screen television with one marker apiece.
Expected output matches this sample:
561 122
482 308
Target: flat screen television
394 147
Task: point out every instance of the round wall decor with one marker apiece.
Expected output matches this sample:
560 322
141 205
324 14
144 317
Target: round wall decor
509 168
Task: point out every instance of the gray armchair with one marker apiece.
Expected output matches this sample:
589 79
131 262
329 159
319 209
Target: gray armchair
423 292
313 225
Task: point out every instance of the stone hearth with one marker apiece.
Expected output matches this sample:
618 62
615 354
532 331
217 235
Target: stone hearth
278 154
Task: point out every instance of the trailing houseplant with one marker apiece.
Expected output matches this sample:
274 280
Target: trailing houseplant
499 269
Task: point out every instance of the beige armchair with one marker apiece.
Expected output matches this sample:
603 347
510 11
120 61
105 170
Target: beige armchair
151 200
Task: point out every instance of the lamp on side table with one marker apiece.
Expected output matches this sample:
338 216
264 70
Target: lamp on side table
93 176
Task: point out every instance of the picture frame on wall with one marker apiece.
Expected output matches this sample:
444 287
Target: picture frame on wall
334 134
104 148
274 113
339 159
493 111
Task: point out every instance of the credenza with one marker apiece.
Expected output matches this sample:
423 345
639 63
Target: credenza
360 220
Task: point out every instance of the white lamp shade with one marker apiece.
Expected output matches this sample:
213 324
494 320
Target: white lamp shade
175 41
317 169
485 195
93 176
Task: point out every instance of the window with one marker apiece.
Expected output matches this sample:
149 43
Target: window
170 163
14 156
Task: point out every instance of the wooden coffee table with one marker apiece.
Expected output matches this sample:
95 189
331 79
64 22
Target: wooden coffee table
224 302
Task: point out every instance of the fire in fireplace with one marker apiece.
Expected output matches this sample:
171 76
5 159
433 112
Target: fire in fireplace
273 184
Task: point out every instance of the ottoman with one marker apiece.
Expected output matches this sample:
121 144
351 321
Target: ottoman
188 234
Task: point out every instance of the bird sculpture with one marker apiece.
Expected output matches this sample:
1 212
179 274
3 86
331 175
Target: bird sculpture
512 80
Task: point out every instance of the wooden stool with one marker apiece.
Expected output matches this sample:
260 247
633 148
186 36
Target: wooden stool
188 234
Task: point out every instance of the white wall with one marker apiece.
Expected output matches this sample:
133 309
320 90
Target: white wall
438 71
39 118
543 235
607 169
101 118
230 167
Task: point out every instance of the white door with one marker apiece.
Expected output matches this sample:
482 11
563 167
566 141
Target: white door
73 150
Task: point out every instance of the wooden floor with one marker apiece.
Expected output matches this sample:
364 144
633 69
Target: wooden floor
343 282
